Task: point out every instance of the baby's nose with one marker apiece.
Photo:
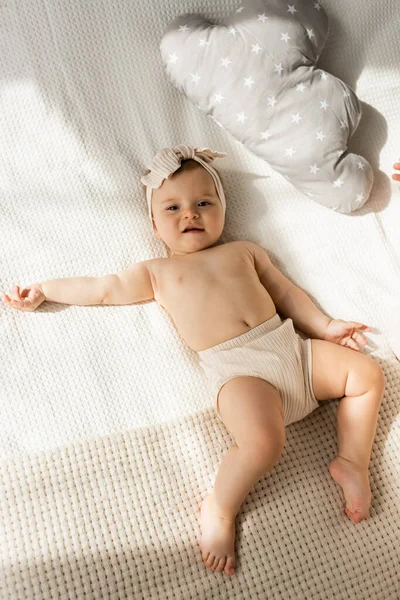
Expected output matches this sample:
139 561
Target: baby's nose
191 212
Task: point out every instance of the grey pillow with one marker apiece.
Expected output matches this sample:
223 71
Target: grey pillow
256 76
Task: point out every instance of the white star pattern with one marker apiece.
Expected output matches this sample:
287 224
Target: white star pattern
225 62
265 135
241 117
219 97
255 48
195 78
338 183
248 82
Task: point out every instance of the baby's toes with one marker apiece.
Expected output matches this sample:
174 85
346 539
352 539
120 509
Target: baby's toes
221 565
210 561
357 515
230 566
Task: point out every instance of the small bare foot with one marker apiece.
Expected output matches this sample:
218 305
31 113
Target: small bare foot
217 538
354 482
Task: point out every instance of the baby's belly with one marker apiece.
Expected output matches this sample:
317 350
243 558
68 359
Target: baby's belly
202 329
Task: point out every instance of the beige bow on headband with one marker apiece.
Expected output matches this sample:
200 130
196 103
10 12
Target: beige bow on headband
168 160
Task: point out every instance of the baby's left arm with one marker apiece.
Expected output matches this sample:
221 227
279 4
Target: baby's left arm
289 299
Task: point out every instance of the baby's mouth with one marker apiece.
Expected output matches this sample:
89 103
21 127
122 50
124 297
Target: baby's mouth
193 230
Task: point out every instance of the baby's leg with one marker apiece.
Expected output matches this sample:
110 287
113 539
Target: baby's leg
252 411
340 372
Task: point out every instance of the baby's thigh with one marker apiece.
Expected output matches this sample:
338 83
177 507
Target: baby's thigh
252 411
338 371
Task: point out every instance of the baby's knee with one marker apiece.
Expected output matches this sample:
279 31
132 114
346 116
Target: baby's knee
265 450
376 376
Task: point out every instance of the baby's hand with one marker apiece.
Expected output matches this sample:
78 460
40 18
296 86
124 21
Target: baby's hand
27 299
345 333
396 176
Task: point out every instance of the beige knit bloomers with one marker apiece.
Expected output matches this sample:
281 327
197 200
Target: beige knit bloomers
272 351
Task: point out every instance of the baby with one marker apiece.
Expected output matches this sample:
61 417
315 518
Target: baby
224 299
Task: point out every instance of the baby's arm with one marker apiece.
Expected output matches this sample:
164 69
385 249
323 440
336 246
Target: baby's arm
126 287
290 300
81 291
130 285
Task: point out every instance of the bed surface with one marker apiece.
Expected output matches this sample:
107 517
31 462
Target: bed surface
108 436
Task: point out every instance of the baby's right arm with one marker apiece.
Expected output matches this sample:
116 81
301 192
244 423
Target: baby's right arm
82 291
126 287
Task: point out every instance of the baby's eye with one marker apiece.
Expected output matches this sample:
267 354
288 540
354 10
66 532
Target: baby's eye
174 205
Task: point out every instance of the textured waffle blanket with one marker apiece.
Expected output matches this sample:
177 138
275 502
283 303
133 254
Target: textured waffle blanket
108 435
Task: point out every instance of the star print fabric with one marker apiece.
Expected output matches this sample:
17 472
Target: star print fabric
255 75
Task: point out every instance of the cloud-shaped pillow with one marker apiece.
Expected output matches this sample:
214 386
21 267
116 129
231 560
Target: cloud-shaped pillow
256 76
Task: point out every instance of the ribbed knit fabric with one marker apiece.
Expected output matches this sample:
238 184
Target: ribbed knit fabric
272 351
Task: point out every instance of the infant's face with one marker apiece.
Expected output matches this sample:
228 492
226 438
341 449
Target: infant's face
188 198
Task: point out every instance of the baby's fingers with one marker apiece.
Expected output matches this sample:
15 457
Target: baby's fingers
10 301
15 293
396 176
20 304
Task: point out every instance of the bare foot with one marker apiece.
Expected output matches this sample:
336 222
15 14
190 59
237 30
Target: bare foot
217 539
354 482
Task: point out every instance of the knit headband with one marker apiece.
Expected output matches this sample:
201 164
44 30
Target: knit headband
168 160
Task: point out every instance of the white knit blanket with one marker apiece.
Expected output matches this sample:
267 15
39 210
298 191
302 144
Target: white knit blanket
108 436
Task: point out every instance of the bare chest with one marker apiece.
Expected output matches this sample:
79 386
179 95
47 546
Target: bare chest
190 279
212 295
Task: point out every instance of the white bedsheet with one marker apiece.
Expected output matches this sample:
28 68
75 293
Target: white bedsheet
84 104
